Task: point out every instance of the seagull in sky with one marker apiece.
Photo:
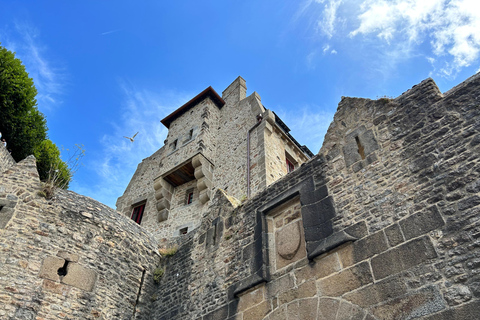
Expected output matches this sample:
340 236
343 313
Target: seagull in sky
132 138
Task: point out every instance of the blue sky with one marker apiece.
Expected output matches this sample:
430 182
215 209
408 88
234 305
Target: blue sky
107 69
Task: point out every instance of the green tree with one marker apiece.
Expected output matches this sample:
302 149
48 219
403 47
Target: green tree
22 125
49 164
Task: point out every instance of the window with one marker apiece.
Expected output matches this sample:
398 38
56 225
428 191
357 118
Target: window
189 197
190 135
138 213
290 166
174 145
183 231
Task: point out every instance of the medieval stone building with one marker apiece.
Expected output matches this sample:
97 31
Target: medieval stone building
231 143
383 223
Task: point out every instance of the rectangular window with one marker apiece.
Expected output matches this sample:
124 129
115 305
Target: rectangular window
190 135
174 145
183 231
138 213
190 198
290 166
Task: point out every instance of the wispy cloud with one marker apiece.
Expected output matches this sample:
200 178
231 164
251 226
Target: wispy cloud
49 78
448 28
110 32
141 112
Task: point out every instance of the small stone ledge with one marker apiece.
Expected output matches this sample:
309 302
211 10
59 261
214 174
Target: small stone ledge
246 284
314 249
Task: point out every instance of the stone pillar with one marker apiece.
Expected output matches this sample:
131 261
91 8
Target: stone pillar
163 195
203 174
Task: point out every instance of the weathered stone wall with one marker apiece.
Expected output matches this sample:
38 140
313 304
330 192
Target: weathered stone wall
389 222
140 190
277 145
202 139
6 160
237 118
70 257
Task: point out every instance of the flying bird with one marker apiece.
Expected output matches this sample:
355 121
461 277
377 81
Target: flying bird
132 138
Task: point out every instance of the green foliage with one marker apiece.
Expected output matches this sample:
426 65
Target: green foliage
49 163
157 275
21 124
25 128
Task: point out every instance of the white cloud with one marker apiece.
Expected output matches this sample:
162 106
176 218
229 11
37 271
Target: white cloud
48 79
333 51
449 27
141 112
327 23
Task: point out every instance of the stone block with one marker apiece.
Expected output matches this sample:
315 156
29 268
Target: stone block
251 298
318 213
50 268
310 197
279 285
162 215
80 277
363 249
421 223
307 309
394 235
321 267
327 308
403 257
345 281
319 232
305 290
258 312
349 311
378 292
350 152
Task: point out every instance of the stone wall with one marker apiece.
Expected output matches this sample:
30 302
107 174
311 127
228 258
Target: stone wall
388 223
70 257
6 160
140 190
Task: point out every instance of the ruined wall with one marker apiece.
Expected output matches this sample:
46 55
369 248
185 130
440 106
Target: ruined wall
6 160
388 224
70 257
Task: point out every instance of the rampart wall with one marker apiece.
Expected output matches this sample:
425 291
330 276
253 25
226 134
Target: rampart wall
388 214
69 257
382 224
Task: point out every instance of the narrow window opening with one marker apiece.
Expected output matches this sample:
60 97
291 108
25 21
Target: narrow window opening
190 135
214 240
361 150
174 144
183 230
1 207
62 272
137 213
190 198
